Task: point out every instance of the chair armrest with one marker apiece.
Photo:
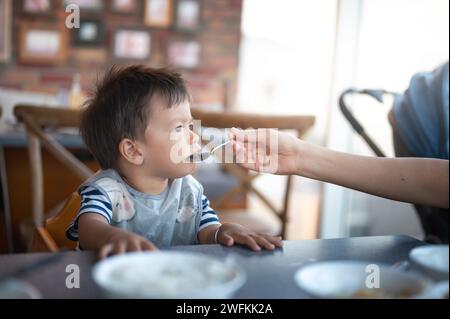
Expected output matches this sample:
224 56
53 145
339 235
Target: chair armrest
42 241
301 123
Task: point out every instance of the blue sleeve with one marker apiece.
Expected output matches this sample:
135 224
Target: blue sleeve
209 216
92 201
421 114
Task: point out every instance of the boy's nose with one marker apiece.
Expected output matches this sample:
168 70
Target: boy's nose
194 138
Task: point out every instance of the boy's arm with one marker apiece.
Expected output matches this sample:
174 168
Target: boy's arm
415 180
96 234
208 235
209 223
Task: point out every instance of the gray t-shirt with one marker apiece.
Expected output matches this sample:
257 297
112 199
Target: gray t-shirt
173 217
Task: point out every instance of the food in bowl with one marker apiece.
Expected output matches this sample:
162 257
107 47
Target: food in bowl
382 294
349 279
168 274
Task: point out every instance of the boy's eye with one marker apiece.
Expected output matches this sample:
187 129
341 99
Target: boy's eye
179 128
191 127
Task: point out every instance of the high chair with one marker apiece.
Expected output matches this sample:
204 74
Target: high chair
52 235
49 227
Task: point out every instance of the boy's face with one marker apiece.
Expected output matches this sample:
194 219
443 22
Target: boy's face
169 140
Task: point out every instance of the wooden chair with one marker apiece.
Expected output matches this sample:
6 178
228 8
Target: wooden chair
36 120
52 235
301 124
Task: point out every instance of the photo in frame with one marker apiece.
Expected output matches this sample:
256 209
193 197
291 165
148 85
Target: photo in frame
124 6
184 54
90 34
42 44
158 13
37 7
131 44
187 16
85 5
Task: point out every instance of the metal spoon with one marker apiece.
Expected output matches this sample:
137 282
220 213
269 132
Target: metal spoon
201 156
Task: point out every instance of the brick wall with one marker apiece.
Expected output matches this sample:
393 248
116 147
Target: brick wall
218 35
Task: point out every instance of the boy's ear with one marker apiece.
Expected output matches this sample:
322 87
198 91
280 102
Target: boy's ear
131 151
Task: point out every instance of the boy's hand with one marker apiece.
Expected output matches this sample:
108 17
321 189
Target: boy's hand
229 234
122 241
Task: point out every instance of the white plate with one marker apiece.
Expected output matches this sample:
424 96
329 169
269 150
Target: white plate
168 274
432 260
18 289
436 291
354 279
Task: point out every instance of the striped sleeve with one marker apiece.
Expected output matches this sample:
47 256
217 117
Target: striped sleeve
209 216
92 201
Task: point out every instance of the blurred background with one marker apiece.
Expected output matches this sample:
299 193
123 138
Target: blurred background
267 57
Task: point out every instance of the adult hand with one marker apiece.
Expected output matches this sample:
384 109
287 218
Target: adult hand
267 150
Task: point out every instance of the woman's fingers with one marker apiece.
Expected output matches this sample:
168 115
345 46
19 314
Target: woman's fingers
241 156
240 135
247 139
250 152
260 138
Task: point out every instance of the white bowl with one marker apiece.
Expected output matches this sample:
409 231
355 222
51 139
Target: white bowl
168 274
436 291
18 289
355 279
431 260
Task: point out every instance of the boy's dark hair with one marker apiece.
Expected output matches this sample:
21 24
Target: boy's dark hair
121 107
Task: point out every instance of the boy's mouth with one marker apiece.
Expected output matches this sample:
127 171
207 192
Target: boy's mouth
198 157
195 155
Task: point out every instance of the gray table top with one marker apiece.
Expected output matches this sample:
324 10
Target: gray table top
269 274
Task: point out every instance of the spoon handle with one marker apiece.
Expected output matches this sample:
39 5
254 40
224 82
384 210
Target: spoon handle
219 146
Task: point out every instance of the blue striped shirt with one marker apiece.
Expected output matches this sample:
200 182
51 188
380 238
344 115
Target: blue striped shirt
93 200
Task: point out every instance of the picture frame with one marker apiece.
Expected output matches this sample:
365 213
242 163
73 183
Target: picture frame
184 54
90 34
188 15
37 7
5 30
86 5
131 44
158 13
125 6
42 44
